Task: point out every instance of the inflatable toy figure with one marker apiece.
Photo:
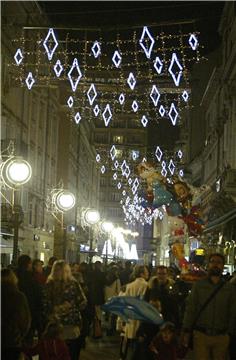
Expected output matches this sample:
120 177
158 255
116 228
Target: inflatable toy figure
178 252
147 172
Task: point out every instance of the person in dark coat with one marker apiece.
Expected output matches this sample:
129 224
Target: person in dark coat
15 316
33 293
47 269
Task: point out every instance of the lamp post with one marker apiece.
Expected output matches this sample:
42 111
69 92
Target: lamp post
15 172
107 228
61 201
91 217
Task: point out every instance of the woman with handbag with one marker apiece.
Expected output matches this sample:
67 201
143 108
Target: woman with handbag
64 299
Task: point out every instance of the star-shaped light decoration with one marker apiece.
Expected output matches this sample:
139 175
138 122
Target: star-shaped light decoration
48 42
144 40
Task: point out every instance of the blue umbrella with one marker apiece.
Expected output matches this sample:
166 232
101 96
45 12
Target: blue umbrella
130 307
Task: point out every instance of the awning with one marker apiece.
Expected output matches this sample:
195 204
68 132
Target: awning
221 220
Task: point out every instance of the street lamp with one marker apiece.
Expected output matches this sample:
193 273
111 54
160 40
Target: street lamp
107 228
59 202
15 172
91 217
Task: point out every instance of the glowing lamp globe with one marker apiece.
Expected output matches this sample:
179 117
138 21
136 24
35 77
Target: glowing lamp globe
91 216
18 172
107 226
65 200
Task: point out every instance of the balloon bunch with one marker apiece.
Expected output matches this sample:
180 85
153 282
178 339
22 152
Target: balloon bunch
177 195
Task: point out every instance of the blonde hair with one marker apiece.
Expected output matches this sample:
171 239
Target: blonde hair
8 277
61 271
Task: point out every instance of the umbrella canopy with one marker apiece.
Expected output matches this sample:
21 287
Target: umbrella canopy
130 307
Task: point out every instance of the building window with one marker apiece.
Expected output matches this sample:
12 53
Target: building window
118 139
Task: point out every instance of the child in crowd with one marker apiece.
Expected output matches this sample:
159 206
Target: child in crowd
164 346
145 334
51 346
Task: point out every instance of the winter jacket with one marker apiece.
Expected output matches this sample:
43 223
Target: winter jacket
50 349
219 314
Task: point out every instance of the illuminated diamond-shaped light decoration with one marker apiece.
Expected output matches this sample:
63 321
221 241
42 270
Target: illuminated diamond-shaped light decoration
135 106
123 192
193 41
70 102
49 40
116 164
74 83
96 49
144 160
158 153
127 172
58 68
131 81
107 115
181 173
173 114
144 121
115 176
91 94
185 95
113 152
180 154
145 40
155 95
98 158
96 110
134 155
176 76
164 172
123 167
119 185
116 58
161 215
121 98
18 56
162 110
103 169
171 167
130 181
158 65
77 118
135 186
30 80
163 164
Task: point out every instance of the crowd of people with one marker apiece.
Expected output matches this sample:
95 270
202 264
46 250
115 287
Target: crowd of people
50 311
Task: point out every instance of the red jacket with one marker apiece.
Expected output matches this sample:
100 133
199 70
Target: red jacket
50 349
